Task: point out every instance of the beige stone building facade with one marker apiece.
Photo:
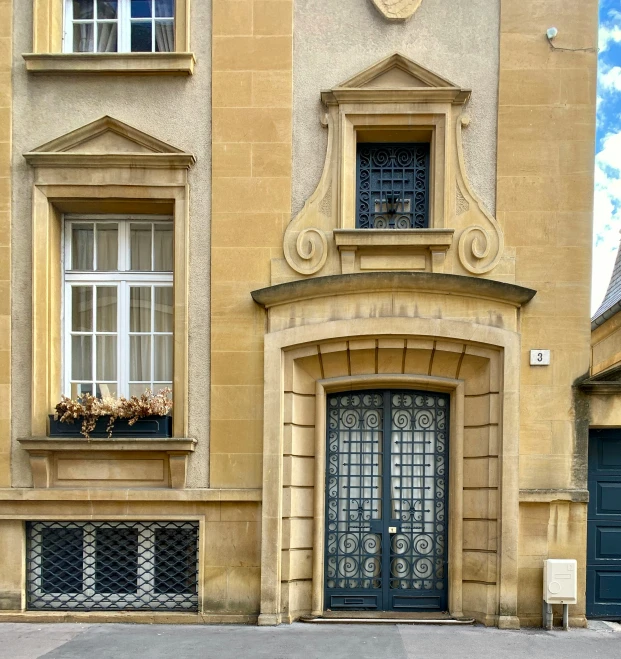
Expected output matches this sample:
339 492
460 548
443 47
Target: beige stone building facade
338 231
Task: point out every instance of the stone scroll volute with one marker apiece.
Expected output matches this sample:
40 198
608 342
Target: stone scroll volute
306 240
481 241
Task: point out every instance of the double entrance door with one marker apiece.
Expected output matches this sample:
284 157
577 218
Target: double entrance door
386 501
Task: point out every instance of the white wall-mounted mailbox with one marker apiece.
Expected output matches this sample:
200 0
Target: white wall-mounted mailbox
560 582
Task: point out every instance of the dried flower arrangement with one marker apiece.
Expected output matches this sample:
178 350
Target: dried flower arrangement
89 409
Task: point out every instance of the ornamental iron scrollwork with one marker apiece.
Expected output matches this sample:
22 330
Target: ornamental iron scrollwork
386 530
392 186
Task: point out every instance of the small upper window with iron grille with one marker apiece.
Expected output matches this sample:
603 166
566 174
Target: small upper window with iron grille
392 186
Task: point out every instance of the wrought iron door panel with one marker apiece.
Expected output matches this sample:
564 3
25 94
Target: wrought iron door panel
418 500
354 484
386 532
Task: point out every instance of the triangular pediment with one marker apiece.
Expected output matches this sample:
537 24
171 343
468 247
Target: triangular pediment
397 72
108 142
107 136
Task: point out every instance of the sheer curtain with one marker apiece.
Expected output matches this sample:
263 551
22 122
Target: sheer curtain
107 37
360 499
164 36
107 247
141 247
140 346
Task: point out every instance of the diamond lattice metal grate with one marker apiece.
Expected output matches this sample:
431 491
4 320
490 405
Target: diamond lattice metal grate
91 566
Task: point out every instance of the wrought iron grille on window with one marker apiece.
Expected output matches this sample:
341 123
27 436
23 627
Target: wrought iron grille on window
92 566
393 186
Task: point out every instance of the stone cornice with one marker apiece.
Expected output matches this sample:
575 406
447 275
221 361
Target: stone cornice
334 285
601 387
107 160
28 494
113 444
120 64
340 95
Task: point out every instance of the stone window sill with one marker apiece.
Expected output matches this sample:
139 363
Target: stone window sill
110 63
393 249
117 462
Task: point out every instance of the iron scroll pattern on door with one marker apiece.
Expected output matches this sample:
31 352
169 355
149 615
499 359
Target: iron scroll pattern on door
386 497
418 449
354 500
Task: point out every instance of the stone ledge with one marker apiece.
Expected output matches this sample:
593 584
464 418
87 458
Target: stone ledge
129 495
105 444
110 63
333 285
393 249
139 461
424 238
134 617
554 494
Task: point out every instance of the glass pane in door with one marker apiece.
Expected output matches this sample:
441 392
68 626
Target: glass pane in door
354 491
418 491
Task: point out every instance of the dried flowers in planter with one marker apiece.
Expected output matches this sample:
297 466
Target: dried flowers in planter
146 415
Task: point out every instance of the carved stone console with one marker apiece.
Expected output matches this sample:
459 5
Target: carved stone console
122 462
392 249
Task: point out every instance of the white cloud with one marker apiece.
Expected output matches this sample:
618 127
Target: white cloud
610 79
607 214
609 34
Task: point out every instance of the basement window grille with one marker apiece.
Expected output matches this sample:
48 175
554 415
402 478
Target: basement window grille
91 566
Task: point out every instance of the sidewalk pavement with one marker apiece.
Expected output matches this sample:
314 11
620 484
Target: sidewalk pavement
304 641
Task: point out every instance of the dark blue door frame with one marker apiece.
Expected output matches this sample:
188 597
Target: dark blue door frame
604 525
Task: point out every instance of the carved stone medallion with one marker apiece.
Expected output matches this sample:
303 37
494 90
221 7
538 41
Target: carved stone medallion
397 10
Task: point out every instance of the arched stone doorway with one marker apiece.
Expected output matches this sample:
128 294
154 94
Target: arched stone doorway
475 365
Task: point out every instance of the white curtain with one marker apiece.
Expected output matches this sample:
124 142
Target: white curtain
141 247
107 247
83 40
359 501
164 36
107 41
82 241
163 247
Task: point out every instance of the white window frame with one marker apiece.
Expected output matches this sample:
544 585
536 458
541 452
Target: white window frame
123 279
123 21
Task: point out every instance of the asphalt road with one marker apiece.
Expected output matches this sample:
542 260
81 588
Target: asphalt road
112 641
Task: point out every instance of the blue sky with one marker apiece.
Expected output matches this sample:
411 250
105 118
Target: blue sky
608 150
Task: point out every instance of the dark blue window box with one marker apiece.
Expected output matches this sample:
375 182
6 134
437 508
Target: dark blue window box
151 426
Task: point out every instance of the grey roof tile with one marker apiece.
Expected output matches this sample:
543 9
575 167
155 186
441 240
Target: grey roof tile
613 294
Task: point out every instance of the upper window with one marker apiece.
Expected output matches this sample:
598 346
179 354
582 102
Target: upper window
119 26
118 305
392 186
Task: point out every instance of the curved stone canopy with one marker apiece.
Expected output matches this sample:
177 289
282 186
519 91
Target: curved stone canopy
333 285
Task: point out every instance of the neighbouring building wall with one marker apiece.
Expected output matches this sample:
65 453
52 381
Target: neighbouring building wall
6 50
546 130
174 109
606 345
335 40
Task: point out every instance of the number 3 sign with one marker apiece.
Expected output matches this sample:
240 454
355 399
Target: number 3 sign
540 358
